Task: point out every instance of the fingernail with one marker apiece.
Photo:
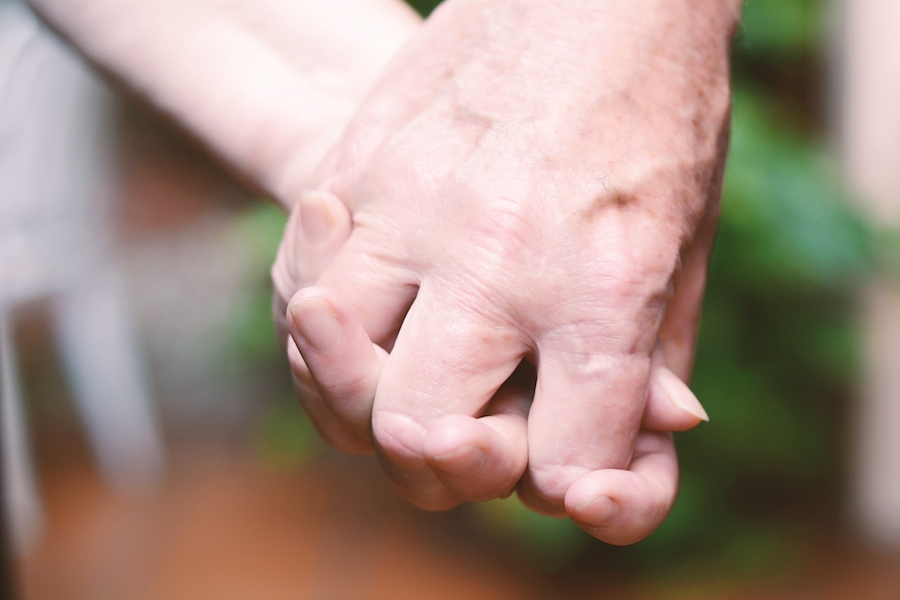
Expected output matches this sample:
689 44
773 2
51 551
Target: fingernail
315 218
462 462
680 394
316 322
597 512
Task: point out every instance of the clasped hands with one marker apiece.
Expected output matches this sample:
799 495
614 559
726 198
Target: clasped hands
493 279
500 270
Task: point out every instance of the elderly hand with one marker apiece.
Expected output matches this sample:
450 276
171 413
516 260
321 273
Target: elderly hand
529 182
337 381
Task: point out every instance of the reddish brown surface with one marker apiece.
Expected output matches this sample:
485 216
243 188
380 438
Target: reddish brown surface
223 527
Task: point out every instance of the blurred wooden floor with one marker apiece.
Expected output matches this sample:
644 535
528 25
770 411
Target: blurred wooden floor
223 527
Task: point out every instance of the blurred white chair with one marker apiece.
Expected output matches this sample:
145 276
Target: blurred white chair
56 181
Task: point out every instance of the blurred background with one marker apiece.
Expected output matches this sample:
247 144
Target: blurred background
219 487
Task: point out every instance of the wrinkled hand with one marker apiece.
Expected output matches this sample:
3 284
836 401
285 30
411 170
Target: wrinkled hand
336 384
523 195
573 172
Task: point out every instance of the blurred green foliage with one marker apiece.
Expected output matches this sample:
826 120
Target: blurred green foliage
283 437
777 352
777 355
549 544
781 28
423 7
252 332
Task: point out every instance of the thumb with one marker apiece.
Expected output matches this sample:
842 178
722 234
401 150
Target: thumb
318 227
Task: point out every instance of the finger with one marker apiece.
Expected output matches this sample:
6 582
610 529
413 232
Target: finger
586 413
624 506
343 363
332 430
671 405
449 359
678 331
318 226
367 274
482 459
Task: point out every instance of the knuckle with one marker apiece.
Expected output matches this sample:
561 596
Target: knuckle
504 231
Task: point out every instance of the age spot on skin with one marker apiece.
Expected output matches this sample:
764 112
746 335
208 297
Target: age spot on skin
622 199
615 199
480 124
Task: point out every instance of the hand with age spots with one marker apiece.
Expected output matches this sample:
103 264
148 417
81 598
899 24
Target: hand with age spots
533 190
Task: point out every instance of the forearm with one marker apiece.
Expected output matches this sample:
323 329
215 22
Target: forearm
267 84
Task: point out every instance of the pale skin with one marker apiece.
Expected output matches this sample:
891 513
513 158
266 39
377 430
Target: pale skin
339 389
527 181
